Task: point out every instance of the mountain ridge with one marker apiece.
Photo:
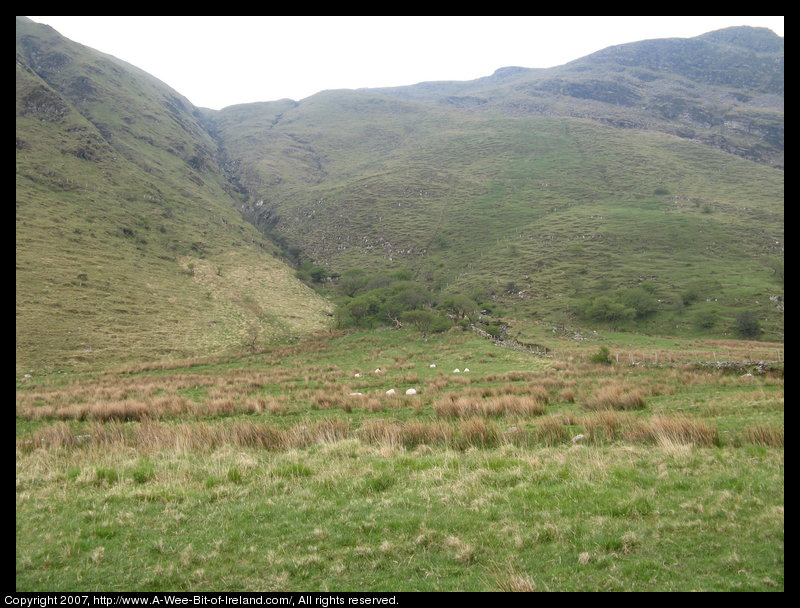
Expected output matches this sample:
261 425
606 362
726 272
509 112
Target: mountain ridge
634 78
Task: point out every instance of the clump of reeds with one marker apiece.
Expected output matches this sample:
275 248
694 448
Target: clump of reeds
567 395
54 436
551 431
478 433
615 397
604 426
435 433
455 406
409 435
674 429
327 430
250 435
765 434
383 432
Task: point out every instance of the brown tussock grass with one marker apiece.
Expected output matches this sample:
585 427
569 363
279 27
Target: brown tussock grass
615 397
567 395
478 433
470 404
765 434
673 429
427 433
513 582
154 408
605 426
609 426
552 431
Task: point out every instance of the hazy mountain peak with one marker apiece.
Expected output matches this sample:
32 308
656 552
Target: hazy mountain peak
760 39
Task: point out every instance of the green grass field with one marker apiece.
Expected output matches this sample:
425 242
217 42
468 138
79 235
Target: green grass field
265 473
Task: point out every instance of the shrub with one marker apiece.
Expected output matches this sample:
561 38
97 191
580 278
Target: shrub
640 299
461 307
143 472
747 325
706 319
607 308
425 321
602 356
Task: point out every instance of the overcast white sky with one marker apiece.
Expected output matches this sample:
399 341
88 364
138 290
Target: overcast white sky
221 61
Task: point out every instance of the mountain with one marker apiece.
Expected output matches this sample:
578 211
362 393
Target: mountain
724 89
148 228
129 245
653 165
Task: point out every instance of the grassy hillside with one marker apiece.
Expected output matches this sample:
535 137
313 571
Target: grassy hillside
129 246
536 215
136 211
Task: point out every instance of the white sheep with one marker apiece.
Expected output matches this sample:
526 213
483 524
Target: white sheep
456 371
391 391
411 391
432 365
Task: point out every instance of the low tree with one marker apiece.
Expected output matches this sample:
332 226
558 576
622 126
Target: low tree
747 325
360 311
461 307
422 320
706 319
352 281
640 299
426 321
607 308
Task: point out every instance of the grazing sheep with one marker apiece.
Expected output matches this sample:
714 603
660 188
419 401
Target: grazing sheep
432 365
357 376
466 369
411 391
391 391
456 371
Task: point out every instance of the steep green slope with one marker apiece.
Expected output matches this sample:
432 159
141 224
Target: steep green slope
538 214
128 243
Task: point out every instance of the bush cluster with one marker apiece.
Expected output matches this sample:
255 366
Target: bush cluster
395 299
620 305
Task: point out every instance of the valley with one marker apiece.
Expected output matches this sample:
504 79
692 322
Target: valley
523 333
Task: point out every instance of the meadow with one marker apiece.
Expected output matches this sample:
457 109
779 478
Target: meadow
291 468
